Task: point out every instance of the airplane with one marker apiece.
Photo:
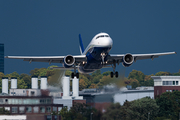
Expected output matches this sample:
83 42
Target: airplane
94 57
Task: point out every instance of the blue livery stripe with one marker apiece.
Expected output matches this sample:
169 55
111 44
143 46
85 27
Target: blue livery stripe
81 44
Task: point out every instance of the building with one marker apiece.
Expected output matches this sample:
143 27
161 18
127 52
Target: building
31 104
130 95
34 107
165 84
1 57
69 98
99 99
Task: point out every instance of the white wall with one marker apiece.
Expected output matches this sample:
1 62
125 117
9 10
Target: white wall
122 97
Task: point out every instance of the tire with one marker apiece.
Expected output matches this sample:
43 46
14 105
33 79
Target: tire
77 75
72 75
112 74
116 74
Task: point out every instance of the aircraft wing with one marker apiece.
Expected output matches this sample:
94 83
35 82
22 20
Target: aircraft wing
119 57
49 59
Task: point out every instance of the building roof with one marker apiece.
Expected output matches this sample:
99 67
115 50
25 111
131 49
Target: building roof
165 77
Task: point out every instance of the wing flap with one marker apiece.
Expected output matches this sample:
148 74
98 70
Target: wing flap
151 55
119 57
63 68
50 59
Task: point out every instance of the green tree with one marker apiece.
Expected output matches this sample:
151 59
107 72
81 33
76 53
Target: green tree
14 74
89 77
169 104
42 72
104 81
96 73
134 83
82 84
96 79
65 114
163 73
24 78
68 73
21 84
86 80
106 73
176 74
139 109
1 75
124 109
148 81
113 112
82 112
93 85
34 72
138 75
50 73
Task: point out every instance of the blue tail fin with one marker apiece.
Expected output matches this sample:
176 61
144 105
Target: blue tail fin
81 45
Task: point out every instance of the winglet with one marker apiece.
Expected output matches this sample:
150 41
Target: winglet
81 45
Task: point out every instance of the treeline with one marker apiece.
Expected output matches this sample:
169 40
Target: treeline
164 107
94 80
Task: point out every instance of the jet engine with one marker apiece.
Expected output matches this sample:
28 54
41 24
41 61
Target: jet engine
69 61
128 59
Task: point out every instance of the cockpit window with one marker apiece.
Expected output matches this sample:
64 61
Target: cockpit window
102 36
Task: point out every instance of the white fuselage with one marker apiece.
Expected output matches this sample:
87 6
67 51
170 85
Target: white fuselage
100 40
96 53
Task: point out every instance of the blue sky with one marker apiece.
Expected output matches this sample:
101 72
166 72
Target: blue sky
35 28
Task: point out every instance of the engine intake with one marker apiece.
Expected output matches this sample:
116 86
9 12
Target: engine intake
128 59
69 61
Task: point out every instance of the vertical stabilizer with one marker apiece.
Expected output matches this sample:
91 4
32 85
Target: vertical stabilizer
81 45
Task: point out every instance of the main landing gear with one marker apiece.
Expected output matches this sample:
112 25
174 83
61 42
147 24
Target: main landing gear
74 73
114 73
113 65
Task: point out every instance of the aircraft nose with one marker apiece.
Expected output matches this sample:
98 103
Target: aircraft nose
107 42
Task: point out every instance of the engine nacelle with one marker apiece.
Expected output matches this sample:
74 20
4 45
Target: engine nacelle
69 61
128 59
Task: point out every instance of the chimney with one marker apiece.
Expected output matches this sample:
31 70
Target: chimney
13 83
34 82
66 87
43 82
5 85
75 87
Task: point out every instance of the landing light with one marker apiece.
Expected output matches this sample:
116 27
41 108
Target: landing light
102 54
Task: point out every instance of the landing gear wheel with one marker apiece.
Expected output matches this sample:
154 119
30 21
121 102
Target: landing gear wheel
116 74
72 75
77 75
112 74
